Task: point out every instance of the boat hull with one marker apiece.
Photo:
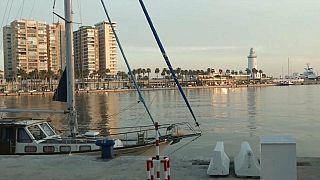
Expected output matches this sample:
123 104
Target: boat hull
135 150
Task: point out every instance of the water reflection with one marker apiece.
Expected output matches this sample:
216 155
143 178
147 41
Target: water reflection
239 112
252 109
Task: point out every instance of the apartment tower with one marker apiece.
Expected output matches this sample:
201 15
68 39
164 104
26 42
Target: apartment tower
32 45
107 47
56 47
86 50
7 53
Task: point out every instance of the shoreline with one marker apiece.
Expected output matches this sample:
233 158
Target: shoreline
145 89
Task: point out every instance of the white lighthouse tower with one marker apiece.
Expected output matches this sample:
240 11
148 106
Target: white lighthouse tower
252 63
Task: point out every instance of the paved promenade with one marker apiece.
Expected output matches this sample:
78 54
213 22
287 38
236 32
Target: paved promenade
83 167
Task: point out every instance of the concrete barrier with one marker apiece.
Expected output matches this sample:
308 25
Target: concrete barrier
219 163
245 163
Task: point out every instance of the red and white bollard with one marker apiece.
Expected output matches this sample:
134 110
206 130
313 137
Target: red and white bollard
150 170
166 167
164 160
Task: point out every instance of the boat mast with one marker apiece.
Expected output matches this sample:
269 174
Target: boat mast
288 69
70 68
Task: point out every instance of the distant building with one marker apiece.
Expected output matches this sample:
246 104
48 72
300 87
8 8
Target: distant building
252 64
56 47
86 49
107 47
31 45
8 74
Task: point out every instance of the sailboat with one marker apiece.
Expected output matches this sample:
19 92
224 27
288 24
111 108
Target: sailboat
29 135
286 82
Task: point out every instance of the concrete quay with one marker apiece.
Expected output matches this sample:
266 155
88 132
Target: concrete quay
83 167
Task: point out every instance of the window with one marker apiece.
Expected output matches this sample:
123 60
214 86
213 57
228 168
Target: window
36 132
85 148
65 149
23 136
47 129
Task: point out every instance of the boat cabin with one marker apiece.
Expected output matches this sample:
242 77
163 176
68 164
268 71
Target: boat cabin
38 137
14 132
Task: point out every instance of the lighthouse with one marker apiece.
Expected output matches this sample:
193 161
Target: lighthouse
252 63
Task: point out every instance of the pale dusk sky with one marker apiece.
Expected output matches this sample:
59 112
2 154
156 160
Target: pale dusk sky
198 34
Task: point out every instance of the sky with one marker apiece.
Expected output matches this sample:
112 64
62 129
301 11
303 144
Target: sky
199 34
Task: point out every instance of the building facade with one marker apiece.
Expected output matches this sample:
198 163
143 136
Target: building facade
56 47
7 53
86 50
31 45
107 47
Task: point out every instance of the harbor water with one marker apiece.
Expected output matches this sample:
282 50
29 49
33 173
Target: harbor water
232 115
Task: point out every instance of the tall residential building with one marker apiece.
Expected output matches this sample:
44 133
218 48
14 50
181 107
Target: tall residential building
33 45
56 47
86 50
7 52
27 47
107 47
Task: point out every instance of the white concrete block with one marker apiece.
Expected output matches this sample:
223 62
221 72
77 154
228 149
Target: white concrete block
245 163
219 163
278 158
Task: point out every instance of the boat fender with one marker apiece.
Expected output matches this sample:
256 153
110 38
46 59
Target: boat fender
118 143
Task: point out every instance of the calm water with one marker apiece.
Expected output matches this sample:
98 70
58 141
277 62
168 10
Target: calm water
229 114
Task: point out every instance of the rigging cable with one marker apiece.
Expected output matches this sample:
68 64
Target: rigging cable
22 9
166 58
31 9
79 9
3 18
184 145
9 12
53 12
4 14
127 64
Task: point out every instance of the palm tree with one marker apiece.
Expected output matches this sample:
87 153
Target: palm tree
42 75
50 75
134 72
178 71
157 71
148 71
254 72
107 73
248 73
139 71
163 74
190 72
23 75
260 72
143 71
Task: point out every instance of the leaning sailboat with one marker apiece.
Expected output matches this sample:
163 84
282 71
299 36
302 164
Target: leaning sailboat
28 135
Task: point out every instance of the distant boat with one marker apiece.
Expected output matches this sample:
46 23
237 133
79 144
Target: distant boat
309 73
286 82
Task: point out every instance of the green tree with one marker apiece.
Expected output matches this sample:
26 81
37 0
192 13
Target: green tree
157 71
